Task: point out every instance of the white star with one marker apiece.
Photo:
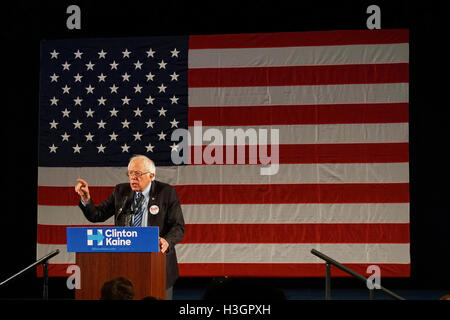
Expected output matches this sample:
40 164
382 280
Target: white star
53 148
150 76
66 89
161 136
90 66
174 147
101 77
125 123
126 53
174 76
89 137
54 101
65 113
113 112
114 65
162 88
102 54
149 147
125 100
89 113
90 89
126 77
113 136
101 148
137 136
162 112
150 53
78 54
175 52
78 77
76 149
78 101
101 124
137 65
77 125
137 88
174 123
125 148
174 100
65 136
137 112
114 88
66 66
162 64
101 101
54 78
150 100
150 123
54 54
53 124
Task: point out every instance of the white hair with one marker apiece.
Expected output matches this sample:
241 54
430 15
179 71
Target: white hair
148 163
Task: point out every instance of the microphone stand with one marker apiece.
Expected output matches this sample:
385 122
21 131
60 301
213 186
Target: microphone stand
44 261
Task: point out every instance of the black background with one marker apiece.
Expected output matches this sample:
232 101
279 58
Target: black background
25 24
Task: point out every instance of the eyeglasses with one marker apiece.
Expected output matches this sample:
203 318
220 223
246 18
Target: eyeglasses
136 174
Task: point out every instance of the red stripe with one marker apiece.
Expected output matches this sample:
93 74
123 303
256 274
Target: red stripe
290 39
298 75
270 233
253 193
283 270
302 153
299 114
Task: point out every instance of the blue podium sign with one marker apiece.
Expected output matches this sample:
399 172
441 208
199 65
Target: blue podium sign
113 239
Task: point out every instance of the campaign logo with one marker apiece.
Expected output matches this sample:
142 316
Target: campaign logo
97 237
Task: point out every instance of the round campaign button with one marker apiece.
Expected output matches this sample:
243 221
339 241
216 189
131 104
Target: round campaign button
154 209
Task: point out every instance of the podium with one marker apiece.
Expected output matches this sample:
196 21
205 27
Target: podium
105 253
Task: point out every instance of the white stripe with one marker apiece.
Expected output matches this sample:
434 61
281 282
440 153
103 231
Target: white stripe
292 253
299 95
255 213
233 174
299 56
269 253
305 134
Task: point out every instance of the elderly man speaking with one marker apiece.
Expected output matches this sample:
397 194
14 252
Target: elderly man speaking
143 191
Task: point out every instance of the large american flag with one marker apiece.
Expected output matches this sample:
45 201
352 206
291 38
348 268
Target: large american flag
339 100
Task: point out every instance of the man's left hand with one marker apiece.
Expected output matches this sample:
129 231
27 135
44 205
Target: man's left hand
163 245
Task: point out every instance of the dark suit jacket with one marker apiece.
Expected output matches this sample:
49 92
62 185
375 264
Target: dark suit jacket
169 219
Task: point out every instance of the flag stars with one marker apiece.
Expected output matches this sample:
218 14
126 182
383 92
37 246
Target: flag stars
125 124
150 76
53 125
162 112
90 89
102 54
137 136
101 101
65 137
78 77
53 148
113 136
150 100
174 147
174 123
78 101
138 65
89 137
174 76
78 54
90 66
65 113
174 100
101 77
114 65
150 123
125 148
126 77
162 64
126 53
90 113
175 52
101 149
77 148
54 78
54 54
66 89
162 136
66 66
113 112
137 88
162 88
125 100
101 124
77 124
54 101
113 88
150 53
149 147
137 112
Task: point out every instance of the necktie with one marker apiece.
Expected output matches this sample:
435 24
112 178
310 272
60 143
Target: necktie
138 201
